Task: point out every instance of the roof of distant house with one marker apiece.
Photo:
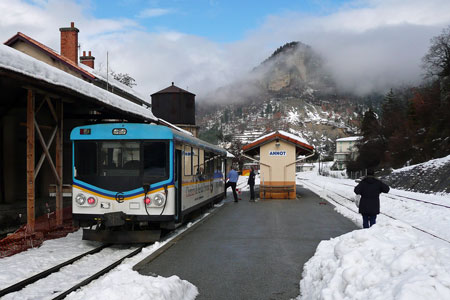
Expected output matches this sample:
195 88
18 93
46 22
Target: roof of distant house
349 139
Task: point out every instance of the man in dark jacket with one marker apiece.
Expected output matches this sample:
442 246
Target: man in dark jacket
251 183
369 189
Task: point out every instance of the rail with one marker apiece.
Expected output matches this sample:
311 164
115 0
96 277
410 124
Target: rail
337 202
98 274
20 285
406 197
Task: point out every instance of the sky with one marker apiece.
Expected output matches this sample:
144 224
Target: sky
205 44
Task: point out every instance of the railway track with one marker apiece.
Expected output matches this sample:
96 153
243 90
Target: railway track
39 279
405 197
57 293
391 217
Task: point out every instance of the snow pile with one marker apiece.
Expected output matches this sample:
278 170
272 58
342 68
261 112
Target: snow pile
390 260
124 283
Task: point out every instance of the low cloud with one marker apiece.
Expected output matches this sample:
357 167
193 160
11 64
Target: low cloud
368 45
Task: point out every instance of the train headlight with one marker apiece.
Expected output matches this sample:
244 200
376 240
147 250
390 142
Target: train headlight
80 199
92 201
159 199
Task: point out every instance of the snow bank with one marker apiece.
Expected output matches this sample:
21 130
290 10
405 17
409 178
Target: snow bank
388 261
429 177
124 283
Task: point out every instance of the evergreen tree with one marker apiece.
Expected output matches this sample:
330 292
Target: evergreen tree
268 109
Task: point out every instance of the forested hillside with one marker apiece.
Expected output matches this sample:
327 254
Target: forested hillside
413 125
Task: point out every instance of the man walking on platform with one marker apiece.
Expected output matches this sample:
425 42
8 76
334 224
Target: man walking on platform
232 180
370 189
251 183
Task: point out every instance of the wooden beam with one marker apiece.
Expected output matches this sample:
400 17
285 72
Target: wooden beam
30 162
59 163
52 110
41 160
47 154
40 126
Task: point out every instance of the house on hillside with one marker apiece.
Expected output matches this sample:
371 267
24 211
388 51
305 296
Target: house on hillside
345 151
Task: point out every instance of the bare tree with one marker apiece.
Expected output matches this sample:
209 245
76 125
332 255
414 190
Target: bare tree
437 60
124 78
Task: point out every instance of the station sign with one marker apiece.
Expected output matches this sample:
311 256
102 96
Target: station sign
277 153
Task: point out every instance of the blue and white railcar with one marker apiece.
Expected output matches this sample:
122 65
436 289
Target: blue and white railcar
132 180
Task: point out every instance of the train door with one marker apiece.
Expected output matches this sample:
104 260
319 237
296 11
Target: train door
178 184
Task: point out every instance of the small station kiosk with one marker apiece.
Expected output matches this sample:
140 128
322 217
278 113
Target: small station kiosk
278 153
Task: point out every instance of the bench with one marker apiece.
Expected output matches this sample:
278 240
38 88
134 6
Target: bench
277 189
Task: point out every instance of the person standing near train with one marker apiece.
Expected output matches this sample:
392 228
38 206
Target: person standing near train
232 177
370 189
251 183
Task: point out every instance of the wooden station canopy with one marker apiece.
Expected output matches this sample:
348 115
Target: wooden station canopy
41 103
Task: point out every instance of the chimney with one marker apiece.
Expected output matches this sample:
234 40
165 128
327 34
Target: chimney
88 60
69 42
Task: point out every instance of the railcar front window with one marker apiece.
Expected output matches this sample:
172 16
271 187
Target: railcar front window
121 165
120 159
156 167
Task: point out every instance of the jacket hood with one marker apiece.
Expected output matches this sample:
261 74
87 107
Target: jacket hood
370 179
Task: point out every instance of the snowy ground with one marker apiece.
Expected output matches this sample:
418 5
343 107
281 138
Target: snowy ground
121 283
391 260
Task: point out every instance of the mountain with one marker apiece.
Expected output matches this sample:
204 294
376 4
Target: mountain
292 91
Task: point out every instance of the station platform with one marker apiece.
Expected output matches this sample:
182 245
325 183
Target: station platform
250 250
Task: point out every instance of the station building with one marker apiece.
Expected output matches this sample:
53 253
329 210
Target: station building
45 94
277 154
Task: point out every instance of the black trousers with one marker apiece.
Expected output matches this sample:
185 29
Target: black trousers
369 220
233 187
252 192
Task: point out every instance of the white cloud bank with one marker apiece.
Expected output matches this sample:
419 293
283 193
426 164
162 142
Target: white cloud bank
369 44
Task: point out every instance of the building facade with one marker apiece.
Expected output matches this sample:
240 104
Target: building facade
345 151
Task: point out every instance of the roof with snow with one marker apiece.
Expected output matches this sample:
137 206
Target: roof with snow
26 39
82 69
349 139
302 146
16 61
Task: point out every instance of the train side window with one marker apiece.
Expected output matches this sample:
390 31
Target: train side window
209 163
187 160
201 161
195 156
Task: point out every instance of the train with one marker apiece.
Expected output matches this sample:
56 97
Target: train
132 181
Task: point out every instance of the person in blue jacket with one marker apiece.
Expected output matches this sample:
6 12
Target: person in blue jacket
370 189
232 177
